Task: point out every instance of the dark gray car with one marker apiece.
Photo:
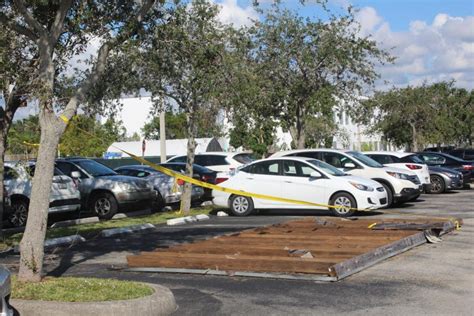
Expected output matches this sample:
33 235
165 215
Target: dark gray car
168 192
103 191
444 179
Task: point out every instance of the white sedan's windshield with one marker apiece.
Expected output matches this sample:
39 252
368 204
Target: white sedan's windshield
326 168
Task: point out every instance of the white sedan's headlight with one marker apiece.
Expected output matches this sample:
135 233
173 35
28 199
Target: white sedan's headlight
361 186
398 175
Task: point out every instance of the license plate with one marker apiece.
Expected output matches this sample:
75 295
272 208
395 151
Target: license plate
62 186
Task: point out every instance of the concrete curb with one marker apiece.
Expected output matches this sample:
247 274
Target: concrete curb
132 214
161 302
125 230
60 241
187 219
72 222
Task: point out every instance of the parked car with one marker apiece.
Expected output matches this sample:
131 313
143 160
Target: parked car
103 191
5 291
441 149
64 197
401 185
222 162
167 190
448 161
441 179
201 173
303 179
396 159
465 153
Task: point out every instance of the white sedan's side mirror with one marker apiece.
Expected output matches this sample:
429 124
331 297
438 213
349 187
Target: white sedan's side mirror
349 165
315 174
75 175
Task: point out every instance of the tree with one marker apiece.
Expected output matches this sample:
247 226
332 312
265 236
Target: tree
58 31
414 117
206 126
75 142
313 64
182 61
23 132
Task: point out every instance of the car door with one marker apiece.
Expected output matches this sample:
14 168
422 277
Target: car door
299 185
264 177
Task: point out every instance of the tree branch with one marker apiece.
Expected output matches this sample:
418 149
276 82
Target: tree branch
101 63
9 23
30 20
56 28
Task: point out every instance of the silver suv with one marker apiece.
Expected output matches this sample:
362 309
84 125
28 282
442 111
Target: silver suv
5 290
64 197
103 191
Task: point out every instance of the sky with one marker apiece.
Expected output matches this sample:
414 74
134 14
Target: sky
433 40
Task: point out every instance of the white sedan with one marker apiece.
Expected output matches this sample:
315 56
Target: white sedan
303 179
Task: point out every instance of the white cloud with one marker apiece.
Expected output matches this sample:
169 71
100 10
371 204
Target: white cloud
442 49
232 13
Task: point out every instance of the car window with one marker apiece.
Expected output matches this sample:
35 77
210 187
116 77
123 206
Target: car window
309 154
433 159
296 169
244 158
337 160
210 160
31 171
265 168
384 159
178 159
413 158
327 168
67 168
364 159
9 174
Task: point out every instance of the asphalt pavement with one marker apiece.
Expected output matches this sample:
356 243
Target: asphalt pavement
431 279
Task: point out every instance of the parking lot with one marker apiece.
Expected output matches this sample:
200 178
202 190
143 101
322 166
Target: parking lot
433 278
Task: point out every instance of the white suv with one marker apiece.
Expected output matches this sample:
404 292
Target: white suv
222 162
65 196
397 160
401 185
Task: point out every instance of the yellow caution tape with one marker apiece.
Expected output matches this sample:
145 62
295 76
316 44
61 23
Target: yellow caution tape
64 118
30 144
372 225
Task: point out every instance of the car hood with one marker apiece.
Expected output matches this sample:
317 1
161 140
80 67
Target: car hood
399 170
361 180
120 178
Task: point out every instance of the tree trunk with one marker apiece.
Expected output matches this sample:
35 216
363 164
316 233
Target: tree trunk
414 138
3 142
187 192
32 243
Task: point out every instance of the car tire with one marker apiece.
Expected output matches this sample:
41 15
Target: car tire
104 205
19 213
437 184
159 204
241 205
389 194
346 203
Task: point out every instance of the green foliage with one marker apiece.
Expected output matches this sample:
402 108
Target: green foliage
25 133
417 116
26 130
174 127
69 289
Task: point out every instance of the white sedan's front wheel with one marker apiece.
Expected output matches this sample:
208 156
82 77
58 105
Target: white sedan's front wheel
344 204
241 205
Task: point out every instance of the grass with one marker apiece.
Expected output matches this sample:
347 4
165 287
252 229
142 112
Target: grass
79 290
92 229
